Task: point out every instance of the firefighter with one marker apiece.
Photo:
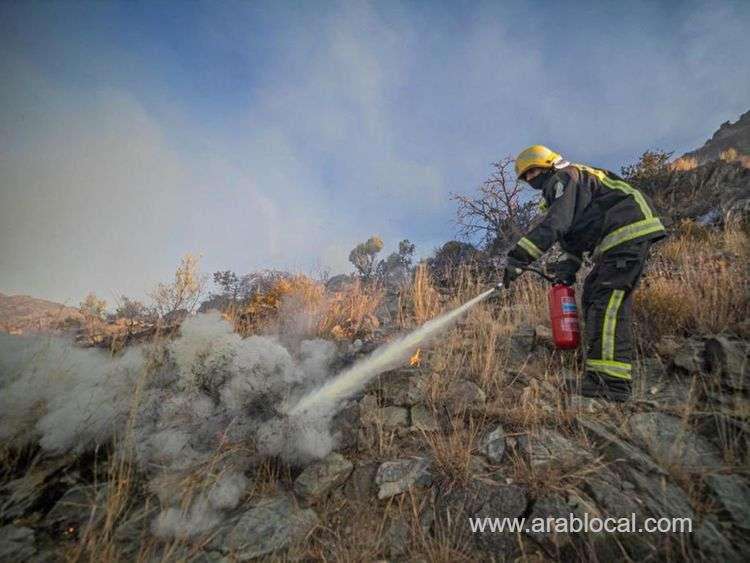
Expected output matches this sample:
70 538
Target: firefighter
591 210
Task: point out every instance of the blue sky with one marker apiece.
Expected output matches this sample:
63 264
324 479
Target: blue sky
280 134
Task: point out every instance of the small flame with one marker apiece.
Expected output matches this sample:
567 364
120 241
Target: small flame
416 359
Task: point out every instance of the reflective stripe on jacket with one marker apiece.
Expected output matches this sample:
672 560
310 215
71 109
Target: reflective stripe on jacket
589 210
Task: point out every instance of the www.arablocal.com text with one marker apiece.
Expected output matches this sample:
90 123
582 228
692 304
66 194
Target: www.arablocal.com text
575 524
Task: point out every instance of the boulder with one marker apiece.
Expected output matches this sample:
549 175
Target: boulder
480 499
345 424
392 418
422 418
272 524
361 484
550 448
464 395
321 477
604 489
617 449
732 494
660 496
397 476
492 445
728 358
555 542
667 439
401 388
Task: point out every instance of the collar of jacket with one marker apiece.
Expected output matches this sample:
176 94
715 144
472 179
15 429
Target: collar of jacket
537 182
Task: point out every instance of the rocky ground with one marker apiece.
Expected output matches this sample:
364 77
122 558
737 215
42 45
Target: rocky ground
422 449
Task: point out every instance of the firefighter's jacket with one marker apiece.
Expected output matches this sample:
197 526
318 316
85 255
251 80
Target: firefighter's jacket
588 210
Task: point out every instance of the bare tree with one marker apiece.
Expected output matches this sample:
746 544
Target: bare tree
497 214
184 293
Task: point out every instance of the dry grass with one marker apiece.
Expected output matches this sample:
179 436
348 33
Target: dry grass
351 313
97 541
300 305
698 283
452 450
425 299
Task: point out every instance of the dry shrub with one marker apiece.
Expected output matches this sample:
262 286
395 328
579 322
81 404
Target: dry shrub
264 307
684 163
699 283
452 449
351 313
300 305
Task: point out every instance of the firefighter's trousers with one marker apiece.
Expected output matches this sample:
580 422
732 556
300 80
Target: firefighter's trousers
607 303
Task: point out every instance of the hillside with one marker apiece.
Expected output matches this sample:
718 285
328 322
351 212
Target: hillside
21 314
194 447
729 136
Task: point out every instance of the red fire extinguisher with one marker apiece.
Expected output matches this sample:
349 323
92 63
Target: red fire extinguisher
563 314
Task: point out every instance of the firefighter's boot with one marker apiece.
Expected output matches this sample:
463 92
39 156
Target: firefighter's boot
599 386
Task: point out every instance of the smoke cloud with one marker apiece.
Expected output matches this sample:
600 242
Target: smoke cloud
195 413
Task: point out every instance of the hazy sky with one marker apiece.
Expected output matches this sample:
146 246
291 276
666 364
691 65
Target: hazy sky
280 134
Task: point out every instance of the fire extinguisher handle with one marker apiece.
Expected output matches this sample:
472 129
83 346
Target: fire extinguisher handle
541 274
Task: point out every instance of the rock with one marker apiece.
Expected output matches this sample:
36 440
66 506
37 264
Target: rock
401 388
661 497
16 543
713 543
732 494
367 404
555 542
587 405
613 501
616 449
321 477
549 448
689 357
543 336
667 347
522 342
665 437
79 504
344 426
397 536
478 466
272 524
729 359
464 395
361 484
392 418
492 445
422 418
397 476
479 499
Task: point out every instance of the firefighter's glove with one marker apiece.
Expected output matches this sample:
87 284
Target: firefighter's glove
564 270
512 271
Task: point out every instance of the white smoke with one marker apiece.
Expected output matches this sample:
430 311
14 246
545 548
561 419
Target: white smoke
207 403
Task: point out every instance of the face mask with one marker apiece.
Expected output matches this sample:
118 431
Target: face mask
538 181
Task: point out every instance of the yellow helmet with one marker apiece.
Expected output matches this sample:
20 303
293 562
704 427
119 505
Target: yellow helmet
536 156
